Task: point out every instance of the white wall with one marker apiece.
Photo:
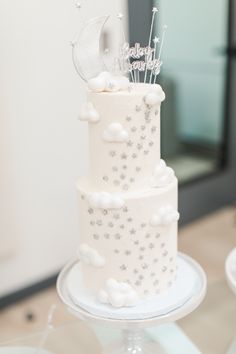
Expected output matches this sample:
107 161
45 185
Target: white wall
43 146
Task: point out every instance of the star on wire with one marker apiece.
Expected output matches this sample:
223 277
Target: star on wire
154 9
120 16
78 5
156 40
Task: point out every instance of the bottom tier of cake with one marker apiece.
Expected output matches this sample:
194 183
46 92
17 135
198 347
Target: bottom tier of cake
128 243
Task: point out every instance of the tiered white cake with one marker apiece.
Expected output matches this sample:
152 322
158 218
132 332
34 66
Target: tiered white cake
128 203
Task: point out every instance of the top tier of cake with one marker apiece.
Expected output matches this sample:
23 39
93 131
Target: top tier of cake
124 137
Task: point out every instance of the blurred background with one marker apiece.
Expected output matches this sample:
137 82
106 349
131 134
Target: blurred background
43 148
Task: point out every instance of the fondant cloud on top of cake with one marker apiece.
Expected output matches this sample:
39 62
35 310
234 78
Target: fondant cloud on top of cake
118 294
165 216
104 200
107 82
90 256
155 96
162 176
115 133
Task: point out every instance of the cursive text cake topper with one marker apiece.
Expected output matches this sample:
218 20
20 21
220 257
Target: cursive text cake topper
140 58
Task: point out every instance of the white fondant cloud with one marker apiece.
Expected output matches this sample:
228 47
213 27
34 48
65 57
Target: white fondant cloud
90 256
155 96
163 175
88 113
106 82
115 133
164 217
118 294
105 200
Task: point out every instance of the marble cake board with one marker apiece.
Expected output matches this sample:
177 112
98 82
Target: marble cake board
180 293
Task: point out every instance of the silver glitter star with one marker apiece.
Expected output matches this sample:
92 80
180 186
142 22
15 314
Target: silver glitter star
138 108
124 156
123 267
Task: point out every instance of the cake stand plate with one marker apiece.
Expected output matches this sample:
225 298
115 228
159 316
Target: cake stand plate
188 304
180 293
134 339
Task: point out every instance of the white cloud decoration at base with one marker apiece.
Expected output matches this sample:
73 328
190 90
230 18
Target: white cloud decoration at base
115 133
90 256
155 96
165 216
118 294
107 82
104 200
89 114
162 176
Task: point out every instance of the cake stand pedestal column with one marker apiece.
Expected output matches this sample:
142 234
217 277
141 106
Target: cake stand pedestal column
134 339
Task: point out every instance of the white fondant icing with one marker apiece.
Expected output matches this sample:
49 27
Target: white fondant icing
118 294
115 133
90 256
88 113
155 96
164 217
105 200
106 82
163 175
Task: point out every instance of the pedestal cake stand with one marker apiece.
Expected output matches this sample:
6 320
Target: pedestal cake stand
133 326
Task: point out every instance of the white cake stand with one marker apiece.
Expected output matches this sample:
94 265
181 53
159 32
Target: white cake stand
134 340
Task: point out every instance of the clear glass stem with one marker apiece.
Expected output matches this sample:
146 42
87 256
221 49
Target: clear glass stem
133 341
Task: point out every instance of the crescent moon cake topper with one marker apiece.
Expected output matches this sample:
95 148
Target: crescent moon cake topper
138 63
87 55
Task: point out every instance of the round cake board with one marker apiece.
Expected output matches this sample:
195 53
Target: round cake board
180 293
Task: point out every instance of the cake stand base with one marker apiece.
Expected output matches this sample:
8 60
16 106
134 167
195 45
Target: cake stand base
134 342
134 339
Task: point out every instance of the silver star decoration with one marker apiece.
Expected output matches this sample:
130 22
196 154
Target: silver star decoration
155 9
128 118
107 236
132 232
124 156
123 267
138 108
112 153
78 5
164 269
127 253
130 143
